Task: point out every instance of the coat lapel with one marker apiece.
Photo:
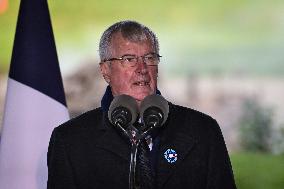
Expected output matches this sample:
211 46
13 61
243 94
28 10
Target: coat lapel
176 139
112 141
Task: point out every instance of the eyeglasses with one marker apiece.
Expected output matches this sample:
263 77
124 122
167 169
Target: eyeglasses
151 59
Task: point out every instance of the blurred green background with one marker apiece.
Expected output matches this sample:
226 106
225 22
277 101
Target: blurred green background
235 35
241 39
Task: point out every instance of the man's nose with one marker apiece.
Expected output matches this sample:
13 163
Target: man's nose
141 66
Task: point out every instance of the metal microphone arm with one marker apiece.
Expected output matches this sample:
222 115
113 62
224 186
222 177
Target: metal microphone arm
127 133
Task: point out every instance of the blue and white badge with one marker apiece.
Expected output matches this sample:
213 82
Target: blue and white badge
170 155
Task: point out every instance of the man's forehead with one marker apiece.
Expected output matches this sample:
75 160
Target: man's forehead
119 42
119 38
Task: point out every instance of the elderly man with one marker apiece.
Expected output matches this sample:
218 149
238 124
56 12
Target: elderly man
87 152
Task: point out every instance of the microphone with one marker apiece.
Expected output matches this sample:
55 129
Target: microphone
154 111
123 111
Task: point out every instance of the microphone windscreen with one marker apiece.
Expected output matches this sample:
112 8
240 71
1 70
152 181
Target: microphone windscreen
124 101
156 101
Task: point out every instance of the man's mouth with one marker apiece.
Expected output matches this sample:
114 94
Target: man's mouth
142 83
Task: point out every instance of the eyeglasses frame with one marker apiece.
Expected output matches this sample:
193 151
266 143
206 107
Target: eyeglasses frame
137 57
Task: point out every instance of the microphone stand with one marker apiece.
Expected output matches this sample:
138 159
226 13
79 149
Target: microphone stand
132 166
135 138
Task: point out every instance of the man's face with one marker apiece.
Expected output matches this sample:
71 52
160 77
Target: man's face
138 81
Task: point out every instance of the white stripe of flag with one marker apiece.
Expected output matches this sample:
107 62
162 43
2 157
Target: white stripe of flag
29 119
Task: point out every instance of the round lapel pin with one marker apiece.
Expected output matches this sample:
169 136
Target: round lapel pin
170 155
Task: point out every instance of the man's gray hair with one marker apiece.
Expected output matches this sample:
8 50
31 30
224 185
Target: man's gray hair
130 30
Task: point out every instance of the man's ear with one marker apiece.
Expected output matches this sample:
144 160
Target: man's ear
105 71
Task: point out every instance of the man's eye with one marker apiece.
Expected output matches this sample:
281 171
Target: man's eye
129 59
149 58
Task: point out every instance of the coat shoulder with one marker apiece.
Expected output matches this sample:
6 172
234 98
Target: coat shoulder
89 119
188 119
189 113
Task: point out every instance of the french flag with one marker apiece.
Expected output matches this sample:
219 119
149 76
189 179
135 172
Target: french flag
35 100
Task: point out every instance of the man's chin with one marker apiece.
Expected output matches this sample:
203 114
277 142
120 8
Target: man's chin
140 97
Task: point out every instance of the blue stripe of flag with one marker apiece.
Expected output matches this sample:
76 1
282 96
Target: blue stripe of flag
34 58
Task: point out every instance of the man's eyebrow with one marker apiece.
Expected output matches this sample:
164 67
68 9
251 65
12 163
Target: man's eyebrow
150 53
136 55
128 55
